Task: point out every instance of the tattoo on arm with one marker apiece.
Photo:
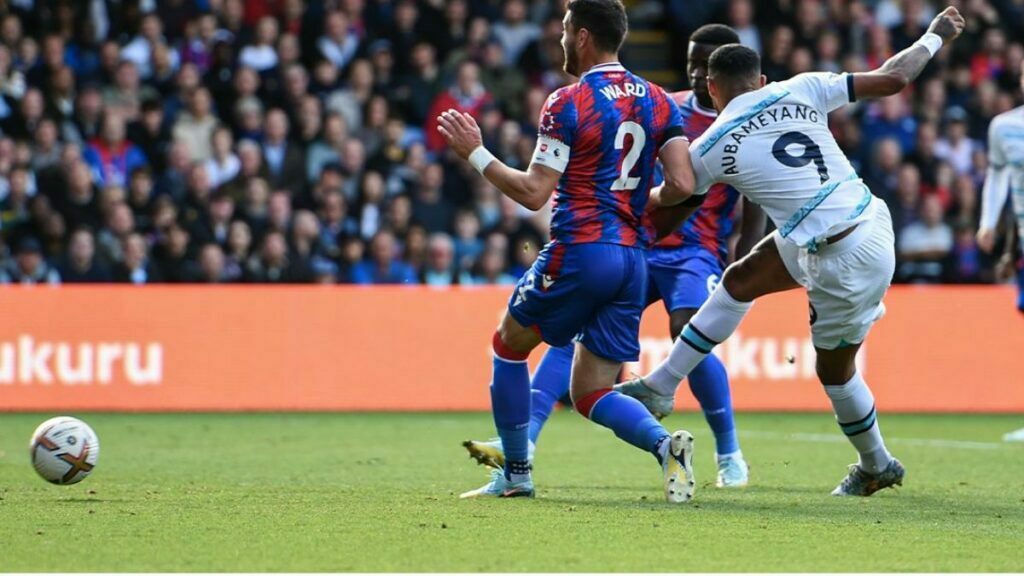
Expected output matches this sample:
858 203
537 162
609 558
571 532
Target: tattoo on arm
908 64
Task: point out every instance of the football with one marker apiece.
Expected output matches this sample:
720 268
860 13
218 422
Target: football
64 450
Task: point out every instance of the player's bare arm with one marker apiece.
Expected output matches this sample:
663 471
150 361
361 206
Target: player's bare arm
679 179
903 68
531 188
995 191
673 202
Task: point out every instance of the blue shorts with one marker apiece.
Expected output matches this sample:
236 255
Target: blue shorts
681 277
591 292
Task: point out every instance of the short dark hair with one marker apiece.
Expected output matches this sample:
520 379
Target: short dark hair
715 35
605 19
733 62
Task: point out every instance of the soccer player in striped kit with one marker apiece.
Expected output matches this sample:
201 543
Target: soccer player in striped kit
683 268
598 143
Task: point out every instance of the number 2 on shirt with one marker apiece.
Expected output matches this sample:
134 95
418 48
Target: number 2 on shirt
624 181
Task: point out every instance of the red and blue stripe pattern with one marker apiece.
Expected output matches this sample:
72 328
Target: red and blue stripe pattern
589 117
712 225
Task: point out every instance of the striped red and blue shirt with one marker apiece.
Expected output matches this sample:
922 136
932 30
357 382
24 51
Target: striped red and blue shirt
710 227
604 134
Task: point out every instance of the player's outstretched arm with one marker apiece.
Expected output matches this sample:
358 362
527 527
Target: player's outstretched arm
530 189
903 68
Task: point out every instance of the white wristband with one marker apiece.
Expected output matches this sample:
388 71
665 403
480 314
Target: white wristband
932 42
480 157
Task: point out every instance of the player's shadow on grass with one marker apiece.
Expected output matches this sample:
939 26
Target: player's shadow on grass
91 500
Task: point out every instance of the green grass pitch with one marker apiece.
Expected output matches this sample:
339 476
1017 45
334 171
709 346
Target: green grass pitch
376 492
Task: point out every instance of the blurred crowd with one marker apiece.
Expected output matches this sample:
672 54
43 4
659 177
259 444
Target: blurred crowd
293 140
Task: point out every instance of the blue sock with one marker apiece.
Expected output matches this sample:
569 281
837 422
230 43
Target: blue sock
550 382
510 402
625 416
710 386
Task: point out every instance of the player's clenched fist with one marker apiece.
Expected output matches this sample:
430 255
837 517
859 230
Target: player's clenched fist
948 25
460 131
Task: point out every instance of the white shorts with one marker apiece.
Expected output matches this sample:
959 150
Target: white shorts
845 281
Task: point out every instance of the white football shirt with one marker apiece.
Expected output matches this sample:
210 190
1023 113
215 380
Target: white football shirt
1006 167
774 146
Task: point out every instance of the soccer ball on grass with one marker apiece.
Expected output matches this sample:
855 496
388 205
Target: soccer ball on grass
64 450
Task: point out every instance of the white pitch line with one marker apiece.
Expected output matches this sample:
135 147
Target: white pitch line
835 438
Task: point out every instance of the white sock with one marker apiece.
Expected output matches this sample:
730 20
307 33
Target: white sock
854 406
716 320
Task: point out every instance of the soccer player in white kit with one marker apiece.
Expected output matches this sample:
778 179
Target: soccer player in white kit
1005 174
833 237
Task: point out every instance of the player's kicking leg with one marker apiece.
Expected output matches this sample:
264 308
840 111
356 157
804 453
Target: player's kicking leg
709 384
763 272
757 274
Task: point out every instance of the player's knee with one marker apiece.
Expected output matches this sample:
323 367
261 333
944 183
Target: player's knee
677 321
514 340
739 281
834 371
504 349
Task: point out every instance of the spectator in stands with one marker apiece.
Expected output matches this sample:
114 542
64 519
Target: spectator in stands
440 266
239 249
337 45
111 157
955 147
223 164
195 127
337 224
14 209
261 55
80 206
135 268
430 208
925 245
211 264
80 265
490 269
514 31
468 245
46 149
126 95
172 258
274 265
467 95
28 266
326 149
151 134
384 266
286 166
119 225
741 19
